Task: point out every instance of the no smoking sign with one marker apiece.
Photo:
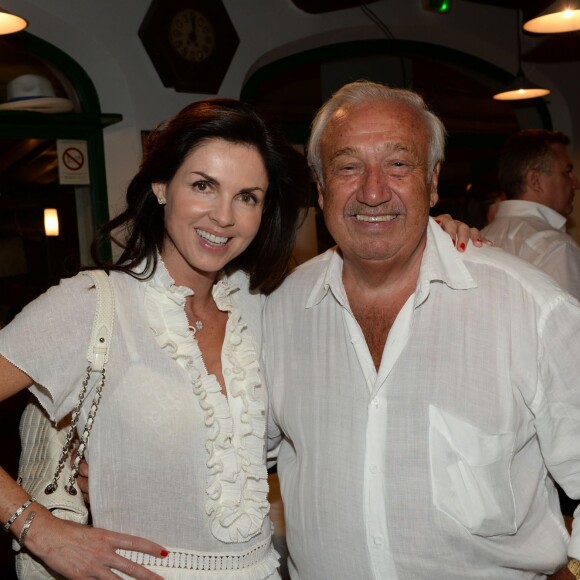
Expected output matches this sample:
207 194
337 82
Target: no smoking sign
73 167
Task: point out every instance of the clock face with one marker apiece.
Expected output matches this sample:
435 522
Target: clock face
192 35
191 43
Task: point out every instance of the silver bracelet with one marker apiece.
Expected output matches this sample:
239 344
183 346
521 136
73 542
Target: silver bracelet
25 528
18 513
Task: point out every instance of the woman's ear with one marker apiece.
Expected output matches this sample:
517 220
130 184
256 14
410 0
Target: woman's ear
159 192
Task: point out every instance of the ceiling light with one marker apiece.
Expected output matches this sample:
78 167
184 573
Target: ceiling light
10 23
520 88
560 16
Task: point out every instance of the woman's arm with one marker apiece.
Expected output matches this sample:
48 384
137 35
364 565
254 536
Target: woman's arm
12 379
73 550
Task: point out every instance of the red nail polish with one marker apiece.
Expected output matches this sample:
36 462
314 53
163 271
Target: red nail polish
453 240
164 553
438 222
462 246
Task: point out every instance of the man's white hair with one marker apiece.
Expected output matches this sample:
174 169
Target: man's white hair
365 91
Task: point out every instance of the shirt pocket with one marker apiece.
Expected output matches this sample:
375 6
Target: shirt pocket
470 474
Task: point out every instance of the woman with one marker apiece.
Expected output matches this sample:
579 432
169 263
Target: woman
177 452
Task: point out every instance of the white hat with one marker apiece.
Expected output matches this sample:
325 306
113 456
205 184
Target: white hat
34 93
29 87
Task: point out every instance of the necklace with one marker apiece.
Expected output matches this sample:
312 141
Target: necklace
197 325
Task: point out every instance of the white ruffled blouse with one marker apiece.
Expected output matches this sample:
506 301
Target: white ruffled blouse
172 459
237 486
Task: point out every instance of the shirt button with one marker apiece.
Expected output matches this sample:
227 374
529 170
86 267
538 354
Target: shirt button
378 540
373 469
376 402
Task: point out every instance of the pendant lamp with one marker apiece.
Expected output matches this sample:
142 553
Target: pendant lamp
10 23
560 16
520 88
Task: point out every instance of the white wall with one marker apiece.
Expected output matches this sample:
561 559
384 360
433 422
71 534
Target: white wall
102 37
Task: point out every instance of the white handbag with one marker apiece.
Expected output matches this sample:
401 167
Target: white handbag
46 447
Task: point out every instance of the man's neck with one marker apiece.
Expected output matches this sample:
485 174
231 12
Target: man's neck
377 291
530 196
386 276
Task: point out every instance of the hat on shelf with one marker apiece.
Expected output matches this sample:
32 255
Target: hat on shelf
34 93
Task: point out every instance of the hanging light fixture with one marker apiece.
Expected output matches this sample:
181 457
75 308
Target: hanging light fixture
521 88
560 16
10 23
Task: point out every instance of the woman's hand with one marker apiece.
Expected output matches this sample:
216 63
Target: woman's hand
80 551
461 233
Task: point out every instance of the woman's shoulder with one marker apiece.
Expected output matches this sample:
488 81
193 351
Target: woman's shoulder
62 304
69 294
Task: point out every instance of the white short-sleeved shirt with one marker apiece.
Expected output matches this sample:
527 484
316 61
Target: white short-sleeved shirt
171 458
436 465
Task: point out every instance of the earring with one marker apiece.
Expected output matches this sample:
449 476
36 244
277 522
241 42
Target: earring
161 201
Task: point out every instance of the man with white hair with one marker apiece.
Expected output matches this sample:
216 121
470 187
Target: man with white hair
426 397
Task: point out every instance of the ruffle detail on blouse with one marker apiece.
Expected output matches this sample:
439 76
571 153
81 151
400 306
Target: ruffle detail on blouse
237 478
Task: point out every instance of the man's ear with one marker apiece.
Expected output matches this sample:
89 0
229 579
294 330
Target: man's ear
320 194
433 195
534 180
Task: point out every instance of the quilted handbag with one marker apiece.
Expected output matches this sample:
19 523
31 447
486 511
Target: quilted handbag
46 447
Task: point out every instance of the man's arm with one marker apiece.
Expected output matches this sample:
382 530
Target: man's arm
563 574
556 403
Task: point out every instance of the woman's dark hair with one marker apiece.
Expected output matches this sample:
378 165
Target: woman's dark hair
267 258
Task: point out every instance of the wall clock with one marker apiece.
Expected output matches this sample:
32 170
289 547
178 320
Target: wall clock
191 43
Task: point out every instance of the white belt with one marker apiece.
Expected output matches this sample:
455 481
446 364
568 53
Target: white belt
190 560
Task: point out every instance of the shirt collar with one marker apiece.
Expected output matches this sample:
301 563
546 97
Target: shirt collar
441 263
330 279
526 208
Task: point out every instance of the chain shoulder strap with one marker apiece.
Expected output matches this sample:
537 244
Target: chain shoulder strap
97 357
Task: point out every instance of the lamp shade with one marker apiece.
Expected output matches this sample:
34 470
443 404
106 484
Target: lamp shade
521 88
10 23
561 16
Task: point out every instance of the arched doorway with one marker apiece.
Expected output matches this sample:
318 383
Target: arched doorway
32 133
33 176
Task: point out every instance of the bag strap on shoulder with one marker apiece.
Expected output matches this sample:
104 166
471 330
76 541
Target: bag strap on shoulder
100 342
97 356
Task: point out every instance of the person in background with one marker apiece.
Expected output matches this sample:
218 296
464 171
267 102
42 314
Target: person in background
426 398
179 444
536 173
